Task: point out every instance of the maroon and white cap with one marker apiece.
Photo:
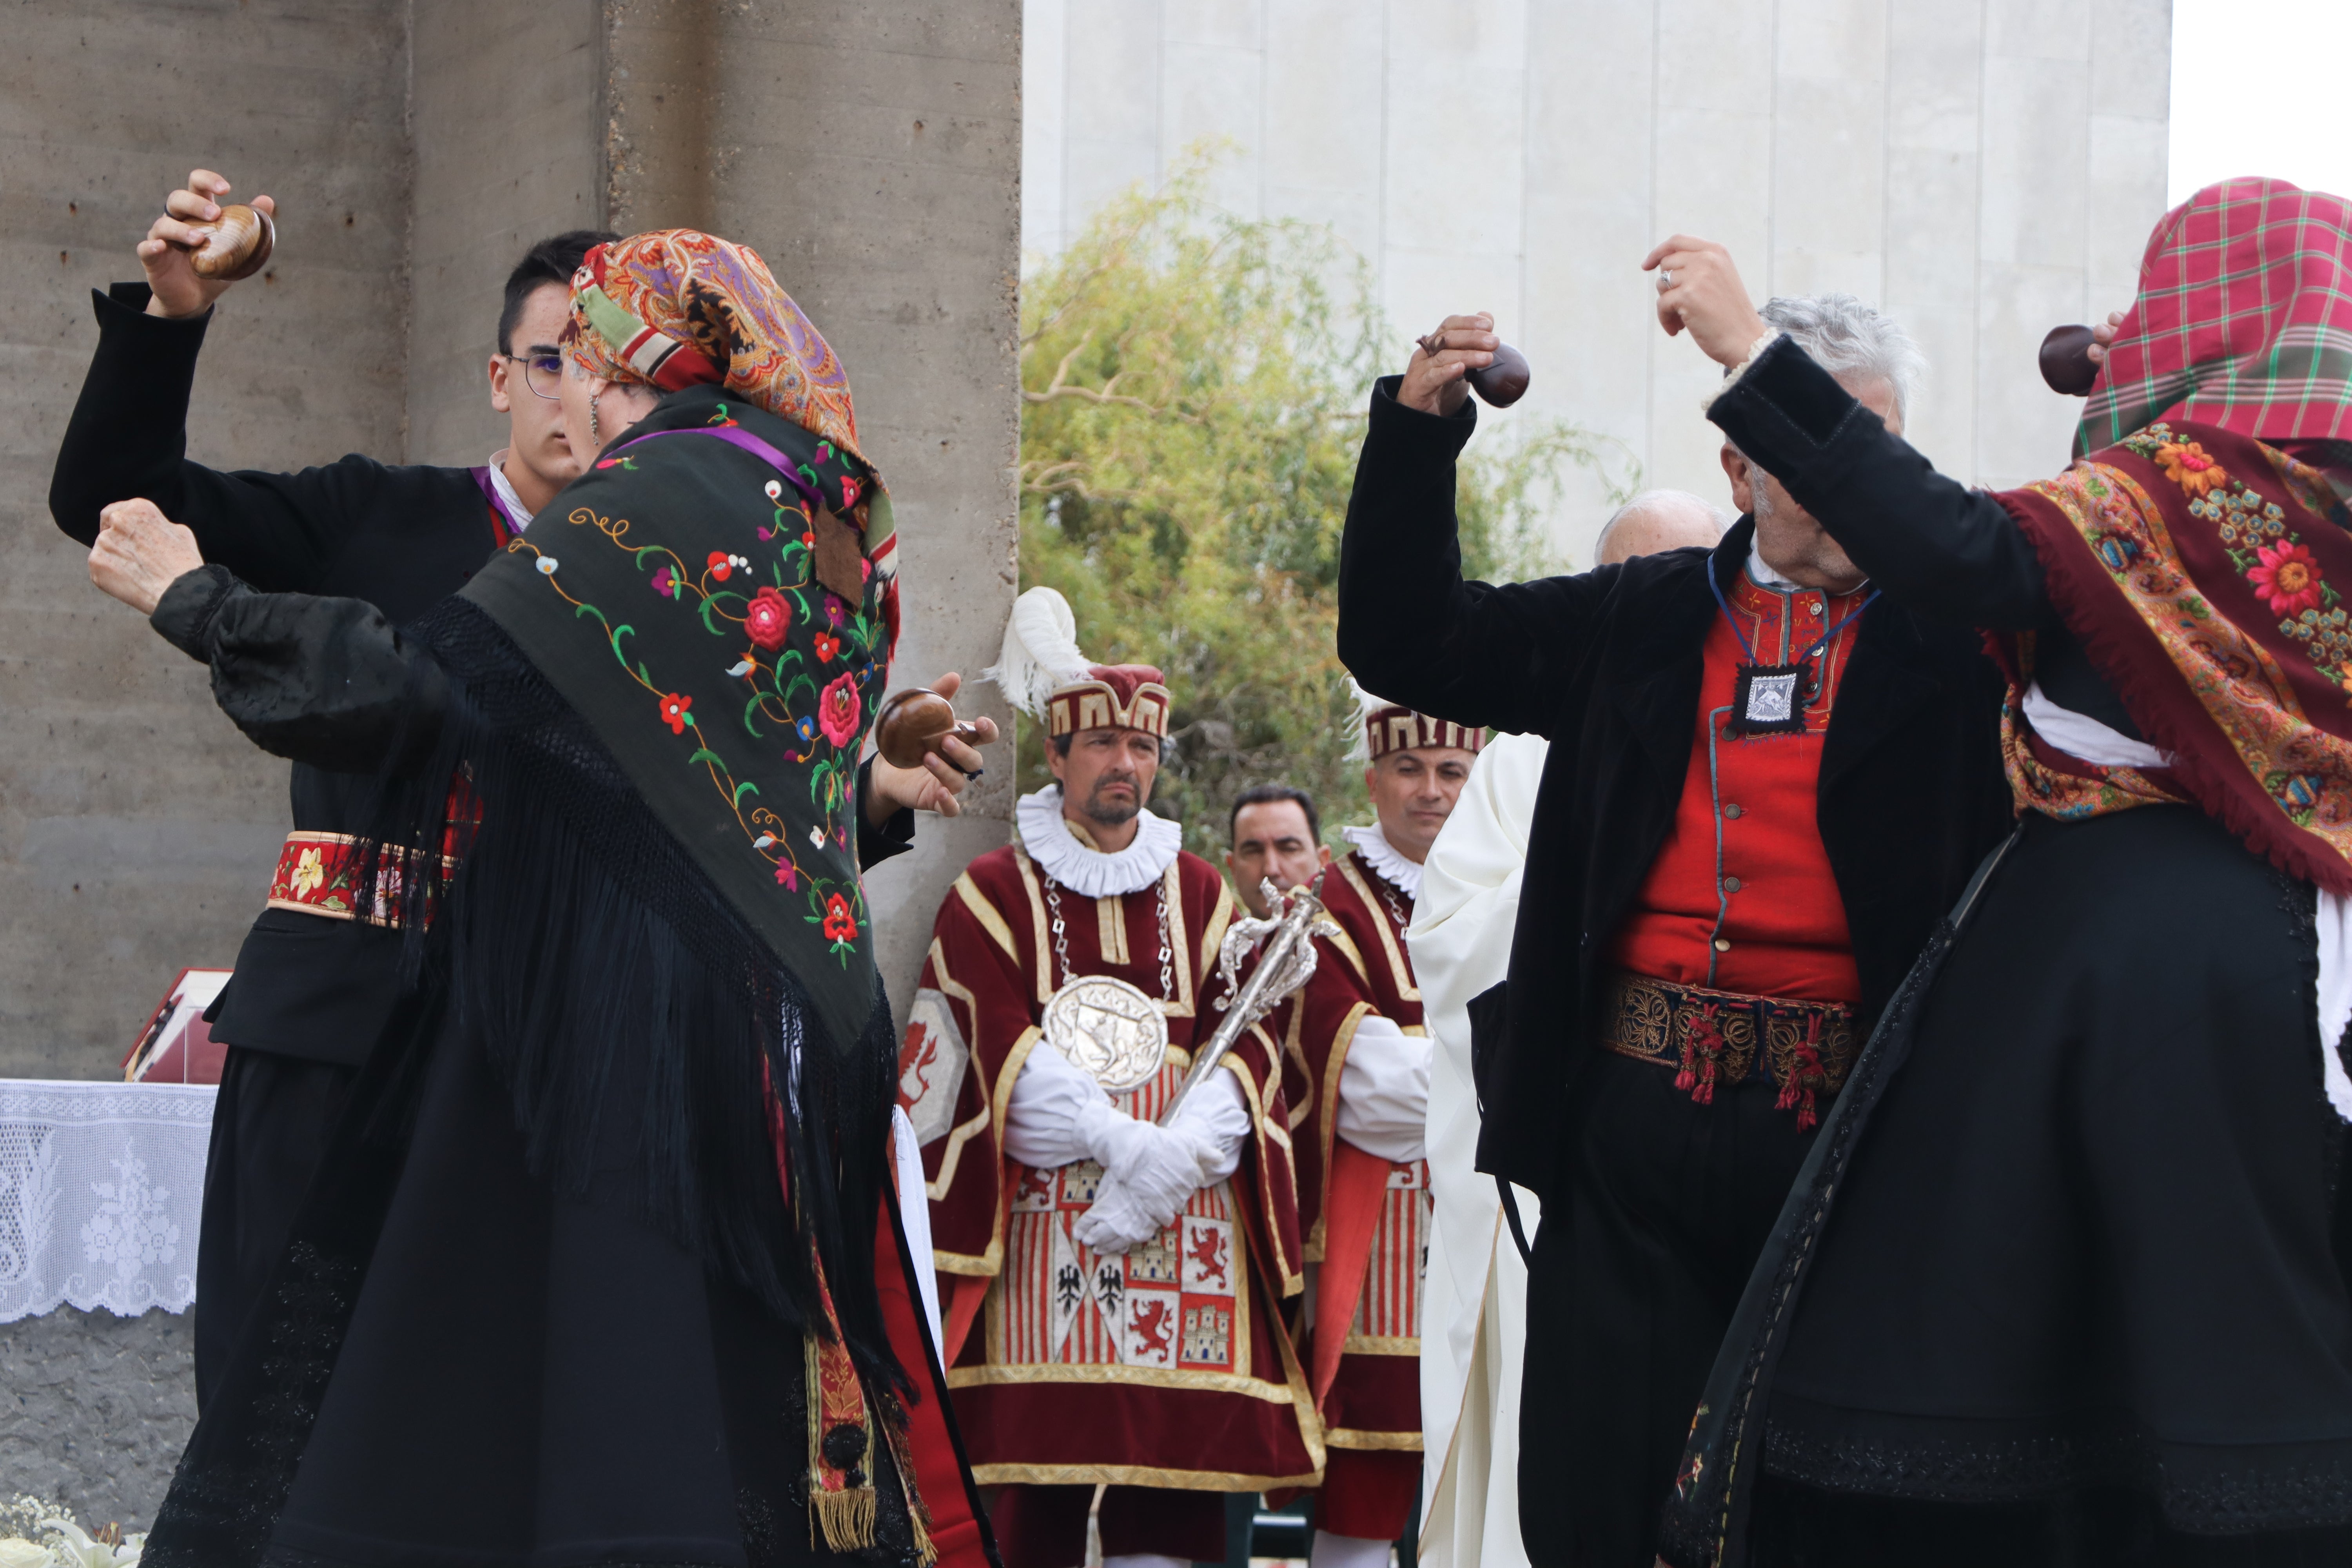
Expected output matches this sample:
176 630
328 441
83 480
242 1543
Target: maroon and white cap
1383 727
1041 671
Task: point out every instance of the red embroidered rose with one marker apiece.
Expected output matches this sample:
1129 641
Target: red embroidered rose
768 618
840 925
2288 579
836 711
827 647
719 564
672 712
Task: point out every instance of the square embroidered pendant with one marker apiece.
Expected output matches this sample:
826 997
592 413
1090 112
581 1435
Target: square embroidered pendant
1769 700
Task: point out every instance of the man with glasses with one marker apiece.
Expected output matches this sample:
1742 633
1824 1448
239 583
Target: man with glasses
314 983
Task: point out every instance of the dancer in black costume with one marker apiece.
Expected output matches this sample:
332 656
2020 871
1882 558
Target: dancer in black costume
590 1273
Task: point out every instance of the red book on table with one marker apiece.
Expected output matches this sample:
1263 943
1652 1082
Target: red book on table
177 1046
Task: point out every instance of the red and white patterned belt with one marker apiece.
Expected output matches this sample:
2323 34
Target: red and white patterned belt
319 874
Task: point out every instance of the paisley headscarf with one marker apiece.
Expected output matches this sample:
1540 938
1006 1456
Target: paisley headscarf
2243 322
678 307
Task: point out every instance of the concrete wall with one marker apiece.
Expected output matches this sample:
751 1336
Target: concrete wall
870 152
1984 169
137 829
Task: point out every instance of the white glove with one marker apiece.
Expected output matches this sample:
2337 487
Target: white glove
1141 1194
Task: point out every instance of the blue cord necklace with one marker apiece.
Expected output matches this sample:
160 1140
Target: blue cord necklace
1770 698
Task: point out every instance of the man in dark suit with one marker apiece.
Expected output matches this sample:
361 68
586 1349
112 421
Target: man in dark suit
314 983
1766 784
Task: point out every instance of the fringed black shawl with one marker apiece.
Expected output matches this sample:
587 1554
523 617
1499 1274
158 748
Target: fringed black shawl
657 714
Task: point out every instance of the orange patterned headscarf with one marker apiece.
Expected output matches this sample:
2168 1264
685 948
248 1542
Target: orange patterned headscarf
678 308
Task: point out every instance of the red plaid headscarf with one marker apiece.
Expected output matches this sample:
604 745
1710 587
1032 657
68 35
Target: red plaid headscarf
2243 321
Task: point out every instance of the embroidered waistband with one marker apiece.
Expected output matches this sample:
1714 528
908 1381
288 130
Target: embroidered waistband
1721 1036
319 874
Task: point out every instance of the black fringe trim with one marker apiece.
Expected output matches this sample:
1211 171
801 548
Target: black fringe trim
608 980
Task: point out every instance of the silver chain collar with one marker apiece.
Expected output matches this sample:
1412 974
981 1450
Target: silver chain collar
1062 939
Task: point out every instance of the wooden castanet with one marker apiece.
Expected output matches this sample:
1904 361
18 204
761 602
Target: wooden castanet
2066 362
236 245
1501 383
915 723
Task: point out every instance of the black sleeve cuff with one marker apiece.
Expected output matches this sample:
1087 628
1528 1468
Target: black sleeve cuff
191 606
895 837
1412 431
1785 411
123 309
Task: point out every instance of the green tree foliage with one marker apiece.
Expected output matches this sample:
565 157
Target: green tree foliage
1193 403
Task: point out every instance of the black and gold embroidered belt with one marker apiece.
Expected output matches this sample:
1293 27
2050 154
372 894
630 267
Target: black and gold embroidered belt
1709 1037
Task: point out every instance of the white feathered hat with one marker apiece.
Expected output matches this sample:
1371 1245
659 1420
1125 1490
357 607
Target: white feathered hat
1383 726
1043 673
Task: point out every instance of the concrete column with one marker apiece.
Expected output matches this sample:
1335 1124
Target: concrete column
872 155
138 828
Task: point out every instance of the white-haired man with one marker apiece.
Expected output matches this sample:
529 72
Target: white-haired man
1766 784
1655 520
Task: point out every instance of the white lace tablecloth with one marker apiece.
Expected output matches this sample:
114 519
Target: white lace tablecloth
101 1186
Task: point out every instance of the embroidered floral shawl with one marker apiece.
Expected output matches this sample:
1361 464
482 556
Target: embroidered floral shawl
2201 568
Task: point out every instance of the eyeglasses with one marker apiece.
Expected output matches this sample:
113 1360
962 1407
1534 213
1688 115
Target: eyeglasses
541 373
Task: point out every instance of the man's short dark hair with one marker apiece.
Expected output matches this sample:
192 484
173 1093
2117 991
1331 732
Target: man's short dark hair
1266 795
553 260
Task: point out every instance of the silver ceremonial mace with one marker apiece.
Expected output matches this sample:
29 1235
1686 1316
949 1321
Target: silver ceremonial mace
1287 964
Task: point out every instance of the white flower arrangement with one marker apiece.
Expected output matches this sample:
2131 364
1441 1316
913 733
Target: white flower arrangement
37 1533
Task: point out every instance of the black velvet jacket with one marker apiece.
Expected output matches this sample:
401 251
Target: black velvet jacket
399 538
1606 665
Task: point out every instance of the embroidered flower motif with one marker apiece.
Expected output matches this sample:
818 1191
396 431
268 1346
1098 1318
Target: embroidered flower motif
769 616
840 925
740 667
848 492
775 488
547 565
828 648
310 872
674 714
722 565
816 837
665 582
808 540
2287 579
788 876
2186 464
806 728
837 710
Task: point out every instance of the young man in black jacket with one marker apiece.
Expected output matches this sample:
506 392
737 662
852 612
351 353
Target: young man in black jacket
1766 784
313 983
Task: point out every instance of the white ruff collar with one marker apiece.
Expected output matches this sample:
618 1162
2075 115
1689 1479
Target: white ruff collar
1090 872
1381 856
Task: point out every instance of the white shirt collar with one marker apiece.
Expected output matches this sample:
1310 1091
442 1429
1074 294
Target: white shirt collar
520 513
1090 872
1382 856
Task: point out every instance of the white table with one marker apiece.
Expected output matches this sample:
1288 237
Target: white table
102 1186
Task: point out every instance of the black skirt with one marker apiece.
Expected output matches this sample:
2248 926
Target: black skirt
2085 1257
467 1367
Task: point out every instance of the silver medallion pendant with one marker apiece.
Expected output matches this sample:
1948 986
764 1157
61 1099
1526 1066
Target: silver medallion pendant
1769 700
1109 1029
